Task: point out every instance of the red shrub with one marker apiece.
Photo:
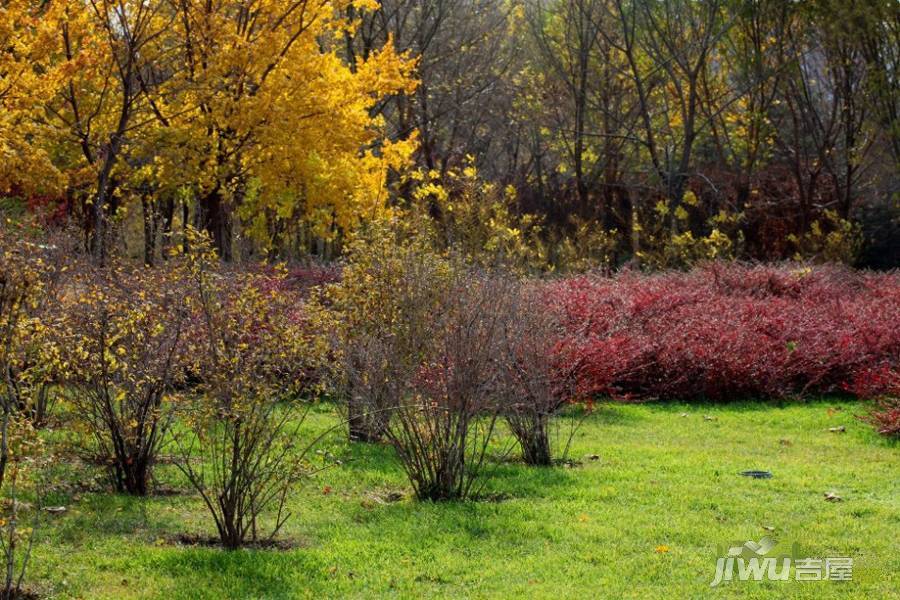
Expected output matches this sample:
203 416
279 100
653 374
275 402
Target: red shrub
881 384
875 381
304 278
728 330
885 417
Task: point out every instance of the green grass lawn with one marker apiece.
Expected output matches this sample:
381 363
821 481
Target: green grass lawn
641 521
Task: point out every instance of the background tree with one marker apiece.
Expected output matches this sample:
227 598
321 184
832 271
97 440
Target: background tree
279 127
28 74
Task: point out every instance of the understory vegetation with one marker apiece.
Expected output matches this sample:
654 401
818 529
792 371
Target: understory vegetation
459 367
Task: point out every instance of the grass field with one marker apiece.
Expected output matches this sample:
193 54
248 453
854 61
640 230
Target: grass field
654 490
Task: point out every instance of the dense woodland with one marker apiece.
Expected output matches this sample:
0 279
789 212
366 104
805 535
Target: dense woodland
600 131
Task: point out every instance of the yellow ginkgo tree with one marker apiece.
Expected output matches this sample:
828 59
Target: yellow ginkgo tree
27 75
271 122
244 108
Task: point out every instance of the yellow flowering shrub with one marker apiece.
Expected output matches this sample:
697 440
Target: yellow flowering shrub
478 218
829 239
666 239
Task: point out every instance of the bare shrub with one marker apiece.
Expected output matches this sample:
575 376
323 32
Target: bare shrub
424 346
442 427
19 519
240 450
530 387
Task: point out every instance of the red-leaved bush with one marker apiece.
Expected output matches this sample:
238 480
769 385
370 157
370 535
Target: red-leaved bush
727 330
880 383
885 416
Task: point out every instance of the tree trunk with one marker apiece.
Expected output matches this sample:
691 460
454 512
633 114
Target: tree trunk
168 218
149 215
215 219
363 426
132 474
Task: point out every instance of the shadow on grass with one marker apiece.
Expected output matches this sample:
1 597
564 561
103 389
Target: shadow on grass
216 573
514 480
603 413
749 404
375 458
109 515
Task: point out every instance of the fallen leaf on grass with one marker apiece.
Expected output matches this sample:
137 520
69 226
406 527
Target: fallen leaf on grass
662 549
832 497
840 429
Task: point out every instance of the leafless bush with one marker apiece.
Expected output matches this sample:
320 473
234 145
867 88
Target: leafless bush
241 449
442 427
529 385
19 520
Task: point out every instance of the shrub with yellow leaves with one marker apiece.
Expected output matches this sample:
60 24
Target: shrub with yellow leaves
829 239
588 246
122 356
29 268
481 222
478 219
666 239
382 309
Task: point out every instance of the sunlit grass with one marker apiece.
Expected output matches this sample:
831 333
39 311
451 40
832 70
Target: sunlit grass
641 521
